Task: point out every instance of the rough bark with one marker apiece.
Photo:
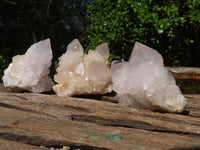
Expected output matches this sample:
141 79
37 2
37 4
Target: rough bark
30 121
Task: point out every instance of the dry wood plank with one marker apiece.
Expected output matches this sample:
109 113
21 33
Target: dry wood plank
52 121
185 72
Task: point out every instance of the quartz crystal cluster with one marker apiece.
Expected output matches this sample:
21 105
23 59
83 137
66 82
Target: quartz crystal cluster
143 82
30 71
80 73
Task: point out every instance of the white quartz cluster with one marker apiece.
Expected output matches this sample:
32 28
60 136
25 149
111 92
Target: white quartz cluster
30 71
80 73
143 82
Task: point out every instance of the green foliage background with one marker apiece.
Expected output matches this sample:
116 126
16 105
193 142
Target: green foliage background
172 27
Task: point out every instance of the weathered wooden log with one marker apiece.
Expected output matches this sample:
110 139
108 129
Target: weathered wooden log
187 78
36 120
185 72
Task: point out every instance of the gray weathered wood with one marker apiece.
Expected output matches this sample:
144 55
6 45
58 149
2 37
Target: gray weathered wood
50 121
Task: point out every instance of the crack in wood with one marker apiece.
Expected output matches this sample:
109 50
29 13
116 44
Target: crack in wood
167 119
23 109
38 141
129 124
78 108
117 122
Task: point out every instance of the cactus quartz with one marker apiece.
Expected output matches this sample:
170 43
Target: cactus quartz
143 82
30 71
80 73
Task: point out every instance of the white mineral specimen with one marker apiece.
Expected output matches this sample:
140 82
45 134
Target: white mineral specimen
80 73
30 71
144 82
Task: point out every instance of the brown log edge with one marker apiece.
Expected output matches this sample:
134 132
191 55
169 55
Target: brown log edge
185 72
42 121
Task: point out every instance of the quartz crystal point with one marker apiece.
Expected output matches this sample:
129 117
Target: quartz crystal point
30 71
143 82
80 73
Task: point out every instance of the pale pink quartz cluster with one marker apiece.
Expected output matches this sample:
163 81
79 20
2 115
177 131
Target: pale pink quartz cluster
30 71
144 82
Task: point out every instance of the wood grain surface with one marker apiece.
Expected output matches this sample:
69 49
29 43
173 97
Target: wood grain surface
46 121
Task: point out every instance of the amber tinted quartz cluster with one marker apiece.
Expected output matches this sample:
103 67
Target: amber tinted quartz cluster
80 73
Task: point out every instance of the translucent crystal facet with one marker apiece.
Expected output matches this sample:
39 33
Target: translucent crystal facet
144 82
80 73
30 71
